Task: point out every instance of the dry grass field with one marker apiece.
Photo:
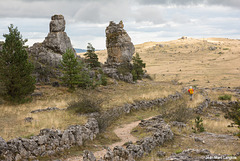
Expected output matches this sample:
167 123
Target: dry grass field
209 62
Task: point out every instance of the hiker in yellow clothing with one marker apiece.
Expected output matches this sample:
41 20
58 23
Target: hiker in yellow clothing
191 91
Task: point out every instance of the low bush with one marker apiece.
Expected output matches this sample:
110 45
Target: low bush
85 105
180 113
225 97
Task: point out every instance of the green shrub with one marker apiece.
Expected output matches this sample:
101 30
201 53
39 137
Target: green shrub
178 151
225 48
225 97
198 125
85 105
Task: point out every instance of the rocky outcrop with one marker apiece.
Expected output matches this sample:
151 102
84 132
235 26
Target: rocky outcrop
48 54
120 49
48 142
55 44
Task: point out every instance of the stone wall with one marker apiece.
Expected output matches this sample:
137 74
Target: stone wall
161 133
49 141
110 115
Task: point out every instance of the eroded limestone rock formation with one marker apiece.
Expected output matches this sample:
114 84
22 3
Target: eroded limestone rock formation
49 53
120 50
55 44
119 46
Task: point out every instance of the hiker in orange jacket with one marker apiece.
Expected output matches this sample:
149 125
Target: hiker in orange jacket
191 91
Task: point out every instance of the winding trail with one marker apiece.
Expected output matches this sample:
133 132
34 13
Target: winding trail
123 132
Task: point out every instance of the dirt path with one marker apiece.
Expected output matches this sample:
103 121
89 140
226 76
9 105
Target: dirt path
123 132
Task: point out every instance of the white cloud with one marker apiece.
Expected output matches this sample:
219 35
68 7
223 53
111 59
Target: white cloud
145 20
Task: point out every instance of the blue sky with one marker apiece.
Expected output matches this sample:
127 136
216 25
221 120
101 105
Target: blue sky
144 20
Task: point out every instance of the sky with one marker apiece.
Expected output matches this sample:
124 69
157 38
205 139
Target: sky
144 20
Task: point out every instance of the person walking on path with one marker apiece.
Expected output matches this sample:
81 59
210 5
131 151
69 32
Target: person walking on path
191 91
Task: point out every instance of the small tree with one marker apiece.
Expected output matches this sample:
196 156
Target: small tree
15 69
138 66
71 69
91 57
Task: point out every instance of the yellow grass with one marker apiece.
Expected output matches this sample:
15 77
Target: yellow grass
121 93
12 116
219 125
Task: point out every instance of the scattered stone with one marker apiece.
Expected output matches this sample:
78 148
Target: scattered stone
88 156
212 48
178 124
28 119
161 154
37 94
197 139
46 109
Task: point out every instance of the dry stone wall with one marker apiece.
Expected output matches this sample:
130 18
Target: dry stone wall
161 133
49 141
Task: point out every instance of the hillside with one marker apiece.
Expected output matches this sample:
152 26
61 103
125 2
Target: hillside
209 62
